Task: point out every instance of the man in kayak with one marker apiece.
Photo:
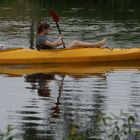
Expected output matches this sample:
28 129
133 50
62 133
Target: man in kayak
43 42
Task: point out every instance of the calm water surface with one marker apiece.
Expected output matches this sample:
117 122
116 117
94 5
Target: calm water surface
45 105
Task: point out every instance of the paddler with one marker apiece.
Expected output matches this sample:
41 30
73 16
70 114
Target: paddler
45 43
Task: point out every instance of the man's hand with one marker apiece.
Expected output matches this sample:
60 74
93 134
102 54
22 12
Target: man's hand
61 36
60 42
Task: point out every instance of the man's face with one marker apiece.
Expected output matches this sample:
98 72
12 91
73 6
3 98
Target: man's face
46 31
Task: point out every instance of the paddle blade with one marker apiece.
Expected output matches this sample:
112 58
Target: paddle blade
54 15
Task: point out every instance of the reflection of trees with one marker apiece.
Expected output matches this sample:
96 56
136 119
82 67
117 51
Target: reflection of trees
88 124
99 106
135 96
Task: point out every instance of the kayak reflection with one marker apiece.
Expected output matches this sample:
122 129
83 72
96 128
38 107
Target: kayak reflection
81 69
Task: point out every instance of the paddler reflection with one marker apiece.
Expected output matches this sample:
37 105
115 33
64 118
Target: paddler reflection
41 82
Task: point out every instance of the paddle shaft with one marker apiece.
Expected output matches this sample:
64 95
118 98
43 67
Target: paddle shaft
57 25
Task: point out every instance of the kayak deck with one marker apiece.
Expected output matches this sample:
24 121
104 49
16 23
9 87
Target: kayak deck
71 55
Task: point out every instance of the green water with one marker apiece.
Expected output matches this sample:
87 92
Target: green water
53 106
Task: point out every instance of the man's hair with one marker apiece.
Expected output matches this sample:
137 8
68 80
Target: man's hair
42 26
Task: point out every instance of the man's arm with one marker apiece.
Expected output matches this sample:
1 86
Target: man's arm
55 43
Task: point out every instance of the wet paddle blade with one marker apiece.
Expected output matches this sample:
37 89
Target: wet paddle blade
54 15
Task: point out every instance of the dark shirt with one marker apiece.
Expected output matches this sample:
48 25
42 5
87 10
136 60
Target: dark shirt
40 42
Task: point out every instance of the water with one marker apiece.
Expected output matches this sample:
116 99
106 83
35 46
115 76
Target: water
55 103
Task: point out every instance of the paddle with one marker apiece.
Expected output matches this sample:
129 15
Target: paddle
56 18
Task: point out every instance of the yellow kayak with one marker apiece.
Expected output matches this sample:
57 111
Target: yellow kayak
71 55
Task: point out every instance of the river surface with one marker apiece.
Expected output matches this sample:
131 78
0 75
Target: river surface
51 104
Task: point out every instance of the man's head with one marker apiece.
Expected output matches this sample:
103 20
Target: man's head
43 28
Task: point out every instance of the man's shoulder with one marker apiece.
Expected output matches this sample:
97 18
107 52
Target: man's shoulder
41 38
